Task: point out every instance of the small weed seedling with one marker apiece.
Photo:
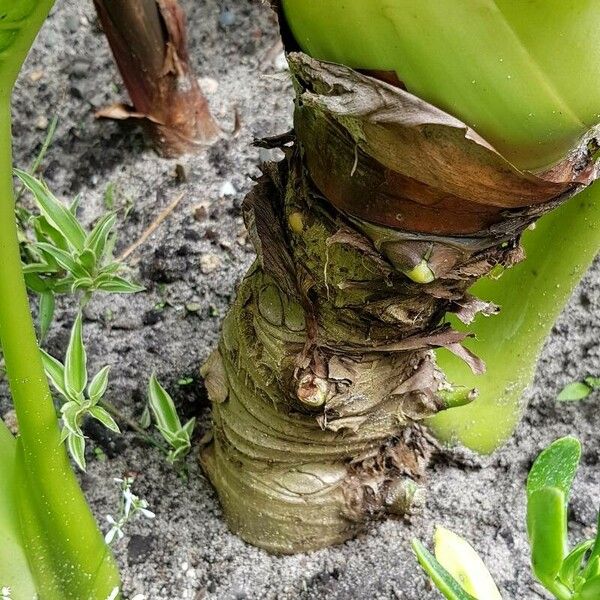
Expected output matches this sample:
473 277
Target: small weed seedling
579 390
459 573
130 507
66 257
70 381
168 423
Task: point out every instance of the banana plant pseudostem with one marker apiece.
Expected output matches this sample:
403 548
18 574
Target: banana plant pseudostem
428 137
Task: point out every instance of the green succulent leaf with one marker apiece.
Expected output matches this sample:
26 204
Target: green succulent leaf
445 583
76 360
548 489
547 530
593 382
556 466
98 385
54 211
574 391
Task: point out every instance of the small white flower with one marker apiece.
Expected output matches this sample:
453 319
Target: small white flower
5 592
147 513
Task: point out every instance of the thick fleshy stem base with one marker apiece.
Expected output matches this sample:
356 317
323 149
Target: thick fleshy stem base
323 372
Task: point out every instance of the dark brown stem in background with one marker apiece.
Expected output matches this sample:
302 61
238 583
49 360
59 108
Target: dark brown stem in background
149 42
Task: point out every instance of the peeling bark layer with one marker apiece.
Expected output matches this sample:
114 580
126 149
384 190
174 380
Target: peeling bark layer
149 42
325 367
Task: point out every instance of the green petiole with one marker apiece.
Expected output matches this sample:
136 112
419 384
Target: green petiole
65 553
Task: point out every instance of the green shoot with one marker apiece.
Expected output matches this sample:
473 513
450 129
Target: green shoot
456 568
68 258
579 390
130 506
70 381
459 573
177 436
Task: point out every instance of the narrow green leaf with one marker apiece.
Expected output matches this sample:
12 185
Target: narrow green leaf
556 466
55 372
76 360
547 530
117 285
76 446
98 385
82 283
445 583
71 415
189 427
64 259
145 419
596 548
44 232
100 414
574 391
97 239
573 563
87 259
592 569
57 214
40 267
36 283
46 313
163 407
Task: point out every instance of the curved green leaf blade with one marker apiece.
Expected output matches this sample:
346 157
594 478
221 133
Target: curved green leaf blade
573 563
556 467
445 583
76 360
14 569
459 558
58 215
547 530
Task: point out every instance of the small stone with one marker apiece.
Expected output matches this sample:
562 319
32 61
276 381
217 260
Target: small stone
208 85
227 189
200 212
41 123
226 18
193 307
36 75
209 263
72 23
280 63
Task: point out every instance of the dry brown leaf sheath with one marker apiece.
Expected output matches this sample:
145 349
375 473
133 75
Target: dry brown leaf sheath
149 42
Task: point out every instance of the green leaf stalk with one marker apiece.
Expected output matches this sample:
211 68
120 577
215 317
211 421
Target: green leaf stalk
66 555
495 65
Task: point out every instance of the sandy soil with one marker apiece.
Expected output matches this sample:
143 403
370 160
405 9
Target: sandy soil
190 268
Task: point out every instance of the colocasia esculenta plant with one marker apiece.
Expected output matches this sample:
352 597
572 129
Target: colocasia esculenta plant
429 138
51 545
567 573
